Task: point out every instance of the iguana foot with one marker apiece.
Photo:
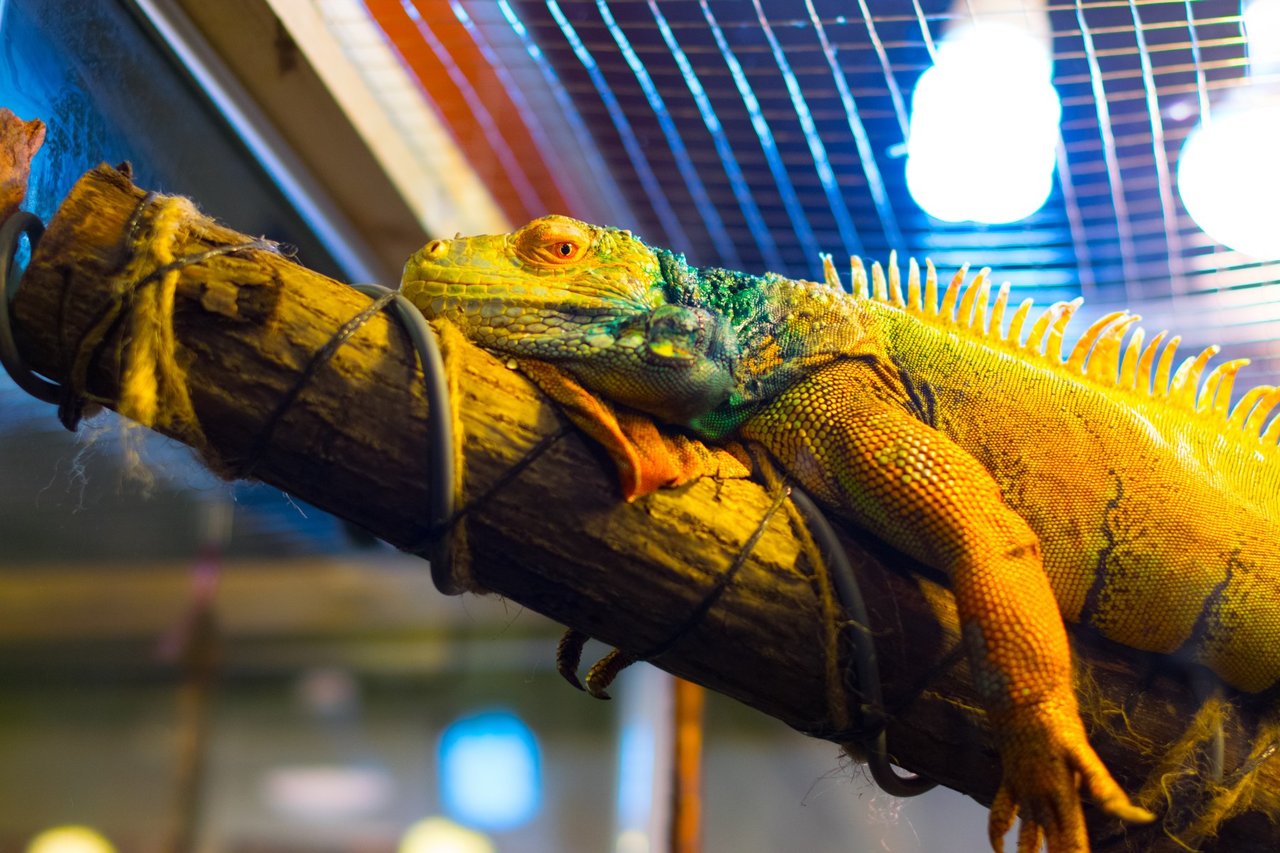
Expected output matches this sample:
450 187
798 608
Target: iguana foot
1046 761
569 655
601 674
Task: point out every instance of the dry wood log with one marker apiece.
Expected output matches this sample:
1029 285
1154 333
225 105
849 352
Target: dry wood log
556 537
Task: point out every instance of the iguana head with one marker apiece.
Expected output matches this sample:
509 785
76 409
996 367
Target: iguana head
590 299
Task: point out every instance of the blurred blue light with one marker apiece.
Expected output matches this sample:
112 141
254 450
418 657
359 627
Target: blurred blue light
636 747
490 775
984 127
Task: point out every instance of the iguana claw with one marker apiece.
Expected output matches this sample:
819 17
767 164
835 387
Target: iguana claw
569 655
602 672
1047 760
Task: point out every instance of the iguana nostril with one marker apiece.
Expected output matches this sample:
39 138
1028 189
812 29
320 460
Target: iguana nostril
436 248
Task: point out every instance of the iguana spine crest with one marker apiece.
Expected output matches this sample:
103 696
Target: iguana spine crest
1099 355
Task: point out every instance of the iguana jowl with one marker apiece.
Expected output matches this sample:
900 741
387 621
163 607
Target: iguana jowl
1107 488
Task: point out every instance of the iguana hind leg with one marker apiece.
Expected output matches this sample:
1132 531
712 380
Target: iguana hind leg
847 433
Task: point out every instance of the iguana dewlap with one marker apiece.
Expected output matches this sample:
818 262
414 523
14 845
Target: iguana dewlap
1109 488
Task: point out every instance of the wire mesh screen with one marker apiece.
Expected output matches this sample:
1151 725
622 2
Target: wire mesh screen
756 133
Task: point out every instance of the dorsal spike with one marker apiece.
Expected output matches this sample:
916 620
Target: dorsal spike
1161 387
977 285
979 321
994 325
1245 405
1129 366
1215 396
858 277
1179 381
1019 318
1035 338
1257 417
930 288
1272 433
895 281
1053 348
949 299
829 274
1145 383
913 284
1165 365
1084 347
879 292
1185 387
1104 360
1209 389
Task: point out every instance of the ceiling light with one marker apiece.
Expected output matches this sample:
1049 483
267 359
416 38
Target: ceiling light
984 126
1228 172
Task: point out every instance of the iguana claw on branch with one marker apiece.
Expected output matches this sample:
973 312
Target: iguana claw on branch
1107 488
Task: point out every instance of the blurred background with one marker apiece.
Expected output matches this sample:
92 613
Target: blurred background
193 664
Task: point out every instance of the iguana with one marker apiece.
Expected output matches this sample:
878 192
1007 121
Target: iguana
1108 488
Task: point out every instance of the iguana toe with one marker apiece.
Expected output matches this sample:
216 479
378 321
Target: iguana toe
1047 760
569 655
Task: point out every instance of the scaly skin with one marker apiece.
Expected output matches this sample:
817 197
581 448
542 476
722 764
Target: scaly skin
1044 489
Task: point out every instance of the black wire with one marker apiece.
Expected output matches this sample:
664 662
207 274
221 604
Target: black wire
440 442
14 227
722 582
321 358
865 665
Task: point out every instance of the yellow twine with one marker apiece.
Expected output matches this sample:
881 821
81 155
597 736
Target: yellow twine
153 383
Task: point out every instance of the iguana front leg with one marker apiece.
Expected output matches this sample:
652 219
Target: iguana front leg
846 434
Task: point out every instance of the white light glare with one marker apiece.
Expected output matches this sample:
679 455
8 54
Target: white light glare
1229 179
984 127
1262 28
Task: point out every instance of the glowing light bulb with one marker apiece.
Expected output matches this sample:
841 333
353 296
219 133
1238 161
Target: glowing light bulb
1229 179
1262 28
1228 172
984 127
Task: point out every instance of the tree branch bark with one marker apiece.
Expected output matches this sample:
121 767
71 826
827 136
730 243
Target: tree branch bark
556 538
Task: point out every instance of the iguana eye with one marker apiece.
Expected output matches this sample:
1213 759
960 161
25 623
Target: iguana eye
553 241
558 251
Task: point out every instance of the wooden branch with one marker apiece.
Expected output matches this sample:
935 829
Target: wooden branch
556 538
